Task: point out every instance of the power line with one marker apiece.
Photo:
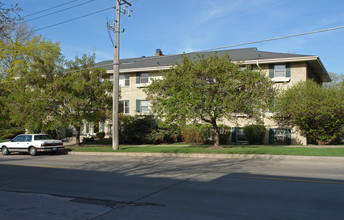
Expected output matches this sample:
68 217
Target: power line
212 49
65 9
49 8
241 44
63 22
276 38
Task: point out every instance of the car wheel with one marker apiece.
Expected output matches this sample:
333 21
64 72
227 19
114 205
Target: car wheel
5 151
33 151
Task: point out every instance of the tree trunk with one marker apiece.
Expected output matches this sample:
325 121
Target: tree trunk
216 134
77 138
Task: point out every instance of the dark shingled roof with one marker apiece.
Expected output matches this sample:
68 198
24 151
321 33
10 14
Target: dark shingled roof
235 54
247 54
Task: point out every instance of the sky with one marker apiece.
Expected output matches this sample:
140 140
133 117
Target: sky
177 26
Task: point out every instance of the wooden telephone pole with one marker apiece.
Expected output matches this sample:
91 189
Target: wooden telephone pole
115 95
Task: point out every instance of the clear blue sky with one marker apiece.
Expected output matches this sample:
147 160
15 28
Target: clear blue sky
177 26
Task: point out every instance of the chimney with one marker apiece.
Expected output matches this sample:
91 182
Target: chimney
158 52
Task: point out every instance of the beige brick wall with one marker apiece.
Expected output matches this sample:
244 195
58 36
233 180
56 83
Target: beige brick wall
298 73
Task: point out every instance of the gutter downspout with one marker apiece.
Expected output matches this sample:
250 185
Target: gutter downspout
257 62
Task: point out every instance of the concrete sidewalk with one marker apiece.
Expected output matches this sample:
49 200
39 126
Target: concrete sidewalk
216 156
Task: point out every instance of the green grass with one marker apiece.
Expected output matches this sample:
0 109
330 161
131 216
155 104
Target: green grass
271 150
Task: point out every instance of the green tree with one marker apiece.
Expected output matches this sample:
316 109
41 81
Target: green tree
31 101
209 89
12 49
317 111
83 94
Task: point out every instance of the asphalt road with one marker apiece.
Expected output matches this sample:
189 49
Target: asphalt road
122 187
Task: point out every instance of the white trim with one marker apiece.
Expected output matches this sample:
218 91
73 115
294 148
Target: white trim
280 79
281 60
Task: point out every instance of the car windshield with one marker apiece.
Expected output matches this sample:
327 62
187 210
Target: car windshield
42 137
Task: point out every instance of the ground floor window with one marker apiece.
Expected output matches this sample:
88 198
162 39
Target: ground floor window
238 135
95 128
279 136
142 106
124 106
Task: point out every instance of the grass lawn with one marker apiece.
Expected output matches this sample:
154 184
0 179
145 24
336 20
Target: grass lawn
192 148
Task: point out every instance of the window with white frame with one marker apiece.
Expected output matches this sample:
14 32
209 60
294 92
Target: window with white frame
124 80
142 106
280 70
124 106
142 78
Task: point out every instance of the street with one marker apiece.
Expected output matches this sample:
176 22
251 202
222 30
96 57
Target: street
124 187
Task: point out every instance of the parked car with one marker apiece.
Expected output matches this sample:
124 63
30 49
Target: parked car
31 143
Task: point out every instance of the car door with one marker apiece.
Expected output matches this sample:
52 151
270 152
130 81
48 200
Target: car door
26 142
16 142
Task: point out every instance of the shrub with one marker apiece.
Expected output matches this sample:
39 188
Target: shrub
204 133
87 139
255 133
225 133
192 133
137 130
100 135
165 134
69 132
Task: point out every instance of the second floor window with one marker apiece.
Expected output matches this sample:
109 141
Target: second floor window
124 80
279 70
142 78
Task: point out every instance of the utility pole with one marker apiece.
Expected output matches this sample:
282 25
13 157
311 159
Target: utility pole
115 95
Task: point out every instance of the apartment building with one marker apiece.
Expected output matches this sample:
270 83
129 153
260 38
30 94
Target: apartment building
284 69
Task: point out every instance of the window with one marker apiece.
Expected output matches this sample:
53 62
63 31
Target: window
142 106
279 136
27 138
42 137
18 138
142 78
124 80
95 128
279 71
124 106
238 135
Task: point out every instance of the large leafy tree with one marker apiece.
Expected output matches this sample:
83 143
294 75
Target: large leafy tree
316 110
12 49
209 89
83 94
30 101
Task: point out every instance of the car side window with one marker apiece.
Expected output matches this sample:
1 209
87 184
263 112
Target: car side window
27 138
18 138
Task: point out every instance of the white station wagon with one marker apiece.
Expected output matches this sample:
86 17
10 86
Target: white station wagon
32 143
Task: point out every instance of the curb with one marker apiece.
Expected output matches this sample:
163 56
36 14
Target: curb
213 156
